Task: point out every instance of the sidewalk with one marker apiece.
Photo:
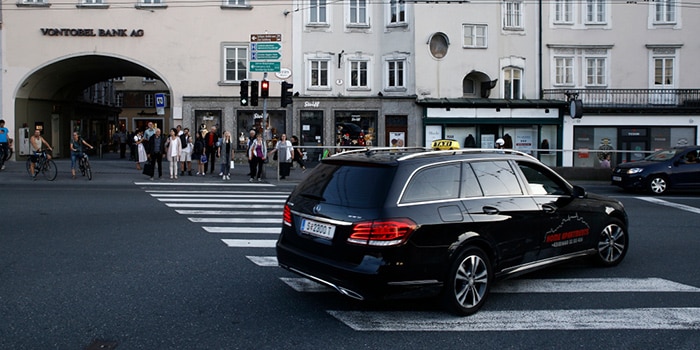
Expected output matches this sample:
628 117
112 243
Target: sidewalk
111 169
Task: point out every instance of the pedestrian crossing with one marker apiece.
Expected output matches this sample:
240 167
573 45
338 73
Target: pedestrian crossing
249 218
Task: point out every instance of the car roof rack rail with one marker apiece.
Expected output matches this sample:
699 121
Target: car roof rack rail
370 151
467 151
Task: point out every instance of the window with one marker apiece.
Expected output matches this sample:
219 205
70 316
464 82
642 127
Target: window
92 2
358 12
663 71
118 79
470 185
595 11
475 35
439 43
433 183
319 74
468 87
595 71
32 2
512 78
512 14
396 73
148 100
496 178
119 99
235 2
358 74
317 11
563 11
235 63
564 70
541 181
397 12
151 2
148 80
664 11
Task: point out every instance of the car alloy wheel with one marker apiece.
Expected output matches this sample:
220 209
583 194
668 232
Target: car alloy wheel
469 282
612 244
658 185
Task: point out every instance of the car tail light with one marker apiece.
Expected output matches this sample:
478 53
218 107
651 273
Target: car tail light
287 215
381 233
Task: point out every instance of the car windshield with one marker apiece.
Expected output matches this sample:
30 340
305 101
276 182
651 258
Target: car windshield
662 155
354 186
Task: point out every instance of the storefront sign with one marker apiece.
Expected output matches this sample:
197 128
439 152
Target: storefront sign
314 104
91 32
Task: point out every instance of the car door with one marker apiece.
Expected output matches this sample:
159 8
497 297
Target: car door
686 170
495 200
564 223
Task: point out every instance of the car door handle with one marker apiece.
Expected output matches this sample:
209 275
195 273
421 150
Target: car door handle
549 208
490 210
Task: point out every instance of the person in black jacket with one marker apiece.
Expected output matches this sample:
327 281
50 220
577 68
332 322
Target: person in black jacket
155 150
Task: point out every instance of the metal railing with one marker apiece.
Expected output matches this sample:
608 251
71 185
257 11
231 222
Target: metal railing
629 98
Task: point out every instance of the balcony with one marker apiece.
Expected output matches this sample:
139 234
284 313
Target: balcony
675 101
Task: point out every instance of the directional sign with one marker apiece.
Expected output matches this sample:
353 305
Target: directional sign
265 55
265 46
264 66
265 37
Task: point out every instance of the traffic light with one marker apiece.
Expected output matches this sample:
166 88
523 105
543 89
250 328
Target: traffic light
244 93
254 93
264 89
286 97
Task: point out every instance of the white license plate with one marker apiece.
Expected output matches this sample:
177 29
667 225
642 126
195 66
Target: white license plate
318 229
616 178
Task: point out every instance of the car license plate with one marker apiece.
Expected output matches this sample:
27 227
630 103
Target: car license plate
617 178
317 229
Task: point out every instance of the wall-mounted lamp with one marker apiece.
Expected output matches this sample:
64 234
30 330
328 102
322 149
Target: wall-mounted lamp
340 55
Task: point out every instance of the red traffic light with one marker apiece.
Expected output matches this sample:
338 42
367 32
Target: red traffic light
264 89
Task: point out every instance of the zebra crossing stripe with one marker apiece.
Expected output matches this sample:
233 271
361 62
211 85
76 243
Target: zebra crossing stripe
239 221
524 320
670 204
229 212
250 243
225 206
152 184
250 229
246 196
264 261
220 200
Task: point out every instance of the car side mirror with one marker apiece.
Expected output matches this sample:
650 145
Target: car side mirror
579 192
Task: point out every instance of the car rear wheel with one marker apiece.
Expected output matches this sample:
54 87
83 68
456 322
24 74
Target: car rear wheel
658 184
468 283
612 244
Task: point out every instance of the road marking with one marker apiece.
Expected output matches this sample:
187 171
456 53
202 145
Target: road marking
238 220
563 285
223 200
252 230
524 320
257 193
264 261
304 285
200 195
250 243
218 184
670 204
224 206
230 212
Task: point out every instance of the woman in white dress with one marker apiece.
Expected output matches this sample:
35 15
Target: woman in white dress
142 156
173 148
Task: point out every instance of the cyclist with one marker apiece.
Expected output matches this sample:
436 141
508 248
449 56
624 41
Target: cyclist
36 141
76 151
4 139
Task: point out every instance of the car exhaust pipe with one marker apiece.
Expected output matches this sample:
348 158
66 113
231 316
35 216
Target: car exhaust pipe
341 290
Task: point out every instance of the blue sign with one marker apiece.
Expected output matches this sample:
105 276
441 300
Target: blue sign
160 103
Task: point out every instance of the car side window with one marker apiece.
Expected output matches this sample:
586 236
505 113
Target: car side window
691 157
470 185
433 183
496 178
540 180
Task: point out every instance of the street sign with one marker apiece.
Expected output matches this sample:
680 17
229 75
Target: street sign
264 66
265 55
160 103
265 46
265 37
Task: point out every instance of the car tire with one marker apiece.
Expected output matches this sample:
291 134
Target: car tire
468 283
613 242
657 184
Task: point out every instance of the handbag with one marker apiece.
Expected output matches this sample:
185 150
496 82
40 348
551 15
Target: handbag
148 169
233 164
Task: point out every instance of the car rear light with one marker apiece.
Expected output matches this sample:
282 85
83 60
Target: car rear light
382 233
287 215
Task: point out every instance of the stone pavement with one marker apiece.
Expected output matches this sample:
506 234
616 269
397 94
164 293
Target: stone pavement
110 169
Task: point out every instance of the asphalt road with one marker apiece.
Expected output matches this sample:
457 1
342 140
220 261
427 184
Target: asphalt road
126 263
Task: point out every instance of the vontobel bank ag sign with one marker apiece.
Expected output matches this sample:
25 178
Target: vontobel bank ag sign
91 32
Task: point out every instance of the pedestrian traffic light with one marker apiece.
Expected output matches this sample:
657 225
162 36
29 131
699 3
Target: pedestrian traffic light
244 92
264 89
254 93
286 97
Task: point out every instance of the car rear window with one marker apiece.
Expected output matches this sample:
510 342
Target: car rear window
355 186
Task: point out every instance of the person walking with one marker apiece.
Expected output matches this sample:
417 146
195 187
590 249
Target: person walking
211 140
139 142
173 147
225 153
256 155
76 151
186 155
298 154
285 154
155 150
4 142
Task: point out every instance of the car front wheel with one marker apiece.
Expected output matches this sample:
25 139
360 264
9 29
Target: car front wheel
658 185
468 283
612 244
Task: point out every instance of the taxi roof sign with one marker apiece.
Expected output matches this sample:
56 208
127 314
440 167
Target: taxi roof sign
445 144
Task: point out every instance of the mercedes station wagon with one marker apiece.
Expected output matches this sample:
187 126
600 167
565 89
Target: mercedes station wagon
382 223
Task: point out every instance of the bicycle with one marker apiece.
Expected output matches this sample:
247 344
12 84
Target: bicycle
43 165
84 166
5 156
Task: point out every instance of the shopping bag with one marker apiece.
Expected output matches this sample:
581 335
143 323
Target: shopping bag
148 169
233 165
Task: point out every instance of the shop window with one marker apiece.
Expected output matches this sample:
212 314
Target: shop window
311 133
355 128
